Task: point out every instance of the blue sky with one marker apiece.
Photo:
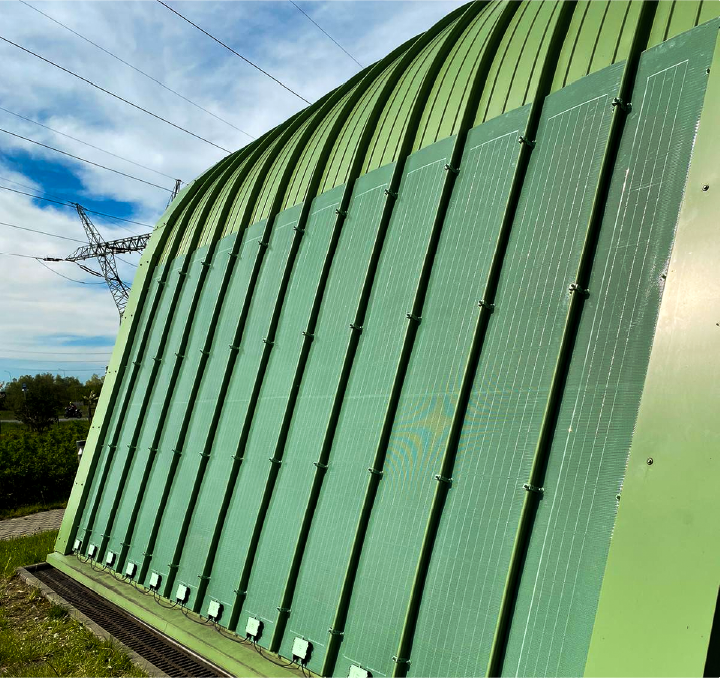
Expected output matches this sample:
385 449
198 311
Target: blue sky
49 323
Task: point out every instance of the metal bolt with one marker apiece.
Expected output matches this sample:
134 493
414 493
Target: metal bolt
707 71
706 187
650 461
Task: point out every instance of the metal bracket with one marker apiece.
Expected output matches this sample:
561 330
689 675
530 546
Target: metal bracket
239 592
182 273
401 660
333 632
309 335
486 305
625 106
340 213
524 140
134 447
413 317
534 489
148 554
275 461
322 467
159 281
237 456
204 454
204 352
262 243
576 287
356 328
204 577
391 194
298 229
151 449
375 472
451 169
284 609
443 479
157 359
234 348
206 263
177 453
268 342
173 566
180 355
233 255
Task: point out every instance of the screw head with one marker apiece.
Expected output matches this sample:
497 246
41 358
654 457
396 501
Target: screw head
650 461
705 187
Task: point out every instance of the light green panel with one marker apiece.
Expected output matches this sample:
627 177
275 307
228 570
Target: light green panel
674 17
190 232
471 555
390 130
429 398
113 473
209 228
305 167
134 418
574 522
179 410
608 26
208 504
369 386
447 101
240 200
513 77
317 390
238 525
176 234
265 586
272 180
153 416
338 166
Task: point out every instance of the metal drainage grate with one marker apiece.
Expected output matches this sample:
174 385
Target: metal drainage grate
153 646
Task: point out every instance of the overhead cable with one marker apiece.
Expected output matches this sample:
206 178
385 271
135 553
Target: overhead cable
68 204
321 29
89 162
105 353
80 141
122 61
52 270
116 96
33 230
237 54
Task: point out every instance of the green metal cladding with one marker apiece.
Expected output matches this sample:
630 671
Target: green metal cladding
387 374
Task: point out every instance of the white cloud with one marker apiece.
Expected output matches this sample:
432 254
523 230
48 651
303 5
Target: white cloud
35 303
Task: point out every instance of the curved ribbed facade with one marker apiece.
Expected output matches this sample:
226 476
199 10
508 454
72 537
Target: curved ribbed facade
375 394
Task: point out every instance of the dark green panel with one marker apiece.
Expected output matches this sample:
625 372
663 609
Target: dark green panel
470 560
238 525
206 511
317 390
568 549
154 415
113 475
174 508
368 390
134 418
429 396
265 586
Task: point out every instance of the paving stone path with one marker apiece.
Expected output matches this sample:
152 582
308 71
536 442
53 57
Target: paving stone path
37 522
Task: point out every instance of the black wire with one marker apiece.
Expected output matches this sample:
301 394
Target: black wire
122 61
68 204
85 143
246 60
116 96
272 661
7 350
54 235
323 30
81 282
157 599
89 162
234 637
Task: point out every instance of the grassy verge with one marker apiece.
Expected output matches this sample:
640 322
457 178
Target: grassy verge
21 511
39 638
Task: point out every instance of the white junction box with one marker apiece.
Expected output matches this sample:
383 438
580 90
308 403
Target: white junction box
92 550
77 545
358 672
301 648
182 593
109 558
253 627
130 570
155 580
214 610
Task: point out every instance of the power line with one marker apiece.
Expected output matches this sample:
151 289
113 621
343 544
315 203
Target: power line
97 148
9 350
32 230
91 362
67 204
114 56
89 162
13 254
52 369
116 96
323 30
52 270
246 60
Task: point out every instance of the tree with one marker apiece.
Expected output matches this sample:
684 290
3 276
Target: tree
41 401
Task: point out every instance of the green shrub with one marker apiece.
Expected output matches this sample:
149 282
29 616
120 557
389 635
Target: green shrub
39 467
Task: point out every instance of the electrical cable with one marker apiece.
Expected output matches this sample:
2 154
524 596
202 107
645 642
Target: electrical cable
8 350
89 162
234 637
323 30
246 60
116 96
264 656
85 143
122 61
81 282
69 204
53 235
91 362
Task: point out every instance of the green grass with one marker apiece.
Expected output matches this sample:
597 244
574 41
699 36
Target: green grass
39 638
20 511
